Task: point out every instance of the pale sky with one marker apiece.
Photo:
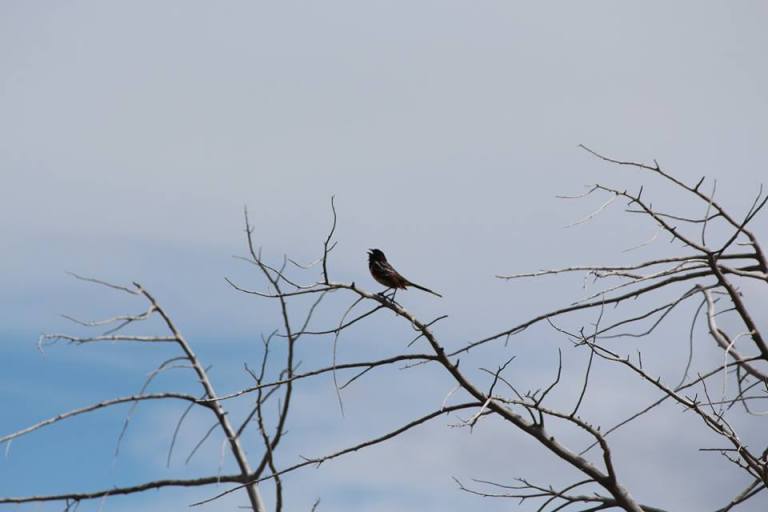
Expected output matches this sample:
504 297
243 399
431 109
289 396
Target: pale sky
133 133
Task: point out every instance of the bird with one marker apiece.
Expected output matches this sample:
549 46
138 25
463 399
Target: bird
385 274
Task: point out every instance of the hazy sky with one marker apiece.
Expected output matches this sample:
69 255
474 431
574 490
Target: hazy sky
133 133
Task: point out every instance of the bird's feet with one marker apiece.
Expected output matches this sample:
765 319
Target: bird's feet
389 297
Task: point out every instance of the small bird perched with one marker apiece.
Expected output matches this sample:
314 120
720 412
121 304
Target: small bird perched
383 272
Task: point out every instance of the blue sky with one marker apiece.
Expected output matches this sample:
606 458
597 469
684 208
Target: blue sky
132 134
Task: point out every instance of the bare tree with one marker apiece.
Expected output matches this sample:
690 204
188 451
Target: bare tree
709 274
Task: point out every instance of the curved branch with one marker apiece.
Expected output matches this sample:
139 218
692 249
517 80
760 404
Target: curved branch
101 405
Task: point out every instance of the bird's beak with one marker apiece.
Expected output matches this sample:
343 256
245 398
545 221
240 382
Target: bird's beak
370 251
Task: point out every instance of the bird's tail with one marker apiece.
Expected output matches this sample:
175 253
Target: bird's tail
423 288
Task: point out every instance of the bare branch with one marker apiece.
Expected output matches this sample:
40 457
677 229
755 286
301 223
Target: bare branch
327 248
118 491
100 405
317 461
103 283
218 410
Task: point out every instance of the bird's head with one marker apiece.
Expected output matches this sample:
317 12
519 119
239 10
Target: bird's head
376 255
